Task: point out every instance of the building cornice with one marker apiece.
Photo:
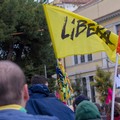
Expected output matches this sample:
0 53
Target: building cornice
89 4
74 1
108 16
90 71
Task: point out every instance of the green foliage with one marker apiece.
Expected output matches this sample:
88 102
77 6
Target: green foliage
52 85
102 83
77 88
24 36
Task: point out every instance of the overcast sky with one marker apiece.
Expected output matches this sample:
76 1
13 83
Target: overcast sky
49 0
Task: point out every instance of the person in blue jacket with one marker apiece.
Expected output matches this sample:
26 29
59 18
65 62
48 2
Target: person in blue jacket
14 94
42 103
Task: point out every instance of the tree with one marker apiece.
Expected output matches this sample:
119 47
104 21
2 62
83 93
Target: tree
77 88
24 36
102 83
52 85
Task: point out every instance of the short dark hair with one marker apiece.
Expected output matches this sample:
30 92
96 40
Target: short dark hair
12 80
39 79
79 99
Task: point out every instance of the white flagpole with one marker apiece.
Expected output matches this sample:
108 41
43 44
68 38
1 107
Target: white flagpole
114 86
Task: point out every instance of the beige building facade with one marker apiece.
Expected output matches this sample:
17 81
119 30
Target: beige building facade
83 67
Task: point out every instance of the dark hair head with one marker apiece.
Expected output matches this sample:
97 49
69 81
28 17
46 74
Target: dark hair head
79 99
39 79
12 80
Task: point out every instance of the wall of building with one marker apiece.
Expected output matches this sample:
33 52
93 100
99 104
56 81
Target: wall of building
99 9
95 11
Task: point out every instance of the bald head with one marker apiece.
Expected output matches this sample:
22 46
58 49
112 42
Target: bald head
12 80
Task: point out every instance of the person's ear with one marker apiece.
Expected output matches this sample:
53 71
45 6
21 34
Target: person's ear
26 94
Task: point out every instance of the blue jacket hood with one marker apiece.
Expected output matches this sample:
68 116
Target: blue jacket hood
39 89
42 104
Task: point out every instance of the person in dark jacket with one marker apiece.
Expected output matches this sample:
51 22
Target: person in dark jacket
14 94
42 103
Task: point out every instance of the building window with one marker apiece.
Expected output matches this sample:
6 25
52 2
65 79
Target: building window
84 88
82 58
75 59
89 57
117 28
92 89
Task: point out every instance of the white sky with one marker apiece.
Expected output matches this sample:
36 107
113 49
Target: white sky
51 0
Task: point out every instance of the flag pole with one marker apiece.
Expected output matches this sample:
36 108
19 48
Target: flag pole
114 86
45 71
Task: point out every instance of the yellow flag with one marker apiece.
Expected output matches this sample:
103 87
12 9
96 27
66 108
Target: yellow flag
73 34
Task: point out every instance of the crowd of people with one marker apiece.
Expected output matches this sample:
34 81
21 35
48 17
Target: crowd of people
18 102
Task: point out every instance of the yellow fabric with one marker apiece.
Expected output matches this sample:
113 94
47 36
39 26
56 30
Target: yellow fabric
73 34
13 106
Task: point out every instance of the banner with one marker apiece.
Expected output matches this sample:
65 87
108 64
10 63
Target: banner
64 86
73 34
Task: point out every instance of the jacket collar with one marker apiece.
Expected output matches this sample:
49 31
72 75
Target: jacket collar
12 106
